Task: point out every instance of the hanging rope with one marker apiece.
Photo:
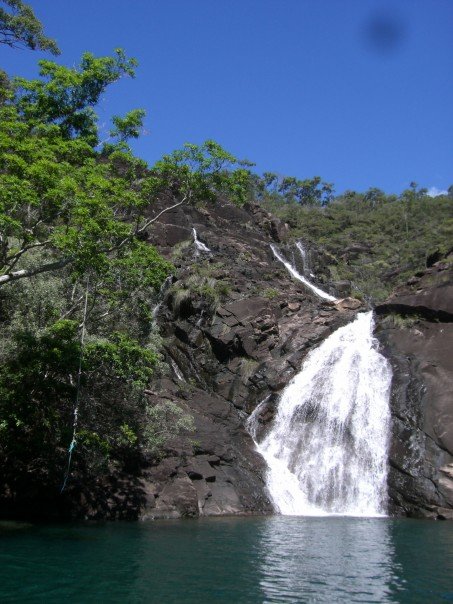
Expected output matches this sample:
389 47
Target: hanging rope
77 398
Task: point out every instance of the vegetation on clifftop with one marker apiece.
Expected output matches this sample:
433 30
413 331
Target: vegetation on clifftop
375 241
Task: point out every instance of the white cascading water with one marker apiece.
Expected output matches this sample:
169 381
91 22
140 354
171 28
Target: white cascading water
165 285
304 256
294 272
177 370
326 450
199 245
305 259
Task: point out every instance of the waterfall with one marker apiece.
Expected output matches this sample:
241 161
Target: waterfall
165 285
199 245
293 271
326 450
252 423
304 256
177 370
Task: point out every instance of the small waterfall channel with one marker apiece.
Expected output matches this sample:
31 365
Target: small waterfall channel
326 450
199 245
305 258
295 273
165 285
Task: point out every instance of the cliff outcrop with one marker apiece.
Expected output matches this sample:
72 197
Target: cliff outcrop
236 328
416 330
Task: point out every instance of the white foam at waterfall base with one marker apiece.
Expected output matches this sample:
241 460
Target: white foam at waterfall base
327 448
295 273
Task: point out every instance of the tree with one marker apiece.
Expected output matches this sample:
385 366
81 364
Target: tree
202 172
81 203
56 192
306 192
66 97
74 214
68 204
20 28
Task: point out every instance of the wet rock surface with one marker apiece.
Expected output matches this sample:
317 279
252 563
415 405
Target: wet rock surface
236 328
416 329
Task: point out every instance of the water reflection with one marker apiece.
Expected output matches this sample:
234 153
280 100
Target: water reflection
230 561
328 560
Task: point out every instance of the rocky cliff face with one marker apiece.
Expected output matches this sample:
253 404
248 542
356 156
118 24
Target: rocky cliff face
416 329
236 328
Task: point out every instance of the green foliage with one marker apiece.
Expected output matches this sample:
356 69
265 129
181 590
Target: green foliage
56 192
202 172
60 193
128 126
66 96
73 216
247 368
165 420
122 358
271 293
37 392
179 250
200 284
401 321
288 189
128 436
19 27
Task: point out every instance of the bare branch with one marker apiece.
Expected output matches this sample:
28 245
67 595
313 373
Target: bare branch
14 276
73 308
141 229
13 259
146 225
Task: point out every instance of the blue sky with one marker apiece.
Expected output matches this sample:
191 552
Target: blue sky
359 92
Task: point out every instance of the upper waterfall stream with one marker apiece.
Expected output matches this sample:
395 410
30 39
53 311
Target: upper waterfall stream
326 449
294 272
199 245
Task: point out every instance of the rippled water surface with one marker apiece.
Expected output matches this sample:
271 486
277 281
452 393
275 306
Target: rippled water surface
271 559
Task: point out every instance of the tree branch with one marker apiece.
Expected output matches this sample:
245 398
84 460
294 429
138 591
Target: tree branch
146 225
14 276
72 309
12 260
141 229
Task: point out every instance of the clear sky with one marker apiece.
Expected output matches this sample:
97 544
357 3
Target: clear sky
359 92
